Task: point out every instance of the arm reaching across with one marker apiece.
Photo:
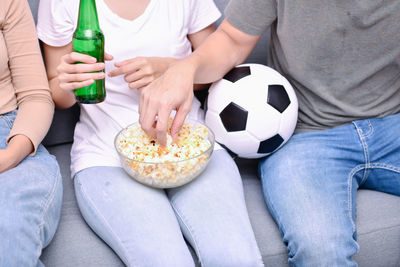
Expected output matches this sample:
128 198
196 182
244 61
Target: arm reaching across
224 49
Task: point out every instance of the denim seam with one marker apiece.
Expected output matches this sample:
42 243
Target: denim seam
370 131
183 219
384 166
349 193
365 148
45 207
85 195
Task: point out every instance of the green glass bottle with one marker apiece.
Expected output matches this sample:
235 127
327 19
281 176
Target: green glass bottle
89 39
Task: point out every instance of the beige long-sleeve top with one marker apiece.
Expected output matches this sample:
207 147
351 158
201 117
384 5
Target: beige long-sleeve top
23 81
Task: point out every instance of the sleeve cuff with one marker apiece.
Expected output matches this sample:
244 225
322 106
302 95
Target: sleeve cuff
35 144
50 40
213 15
255 24
33 121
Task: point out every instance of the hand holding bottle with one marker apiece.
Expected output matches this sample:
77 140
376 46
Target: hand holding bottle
72 76
89 39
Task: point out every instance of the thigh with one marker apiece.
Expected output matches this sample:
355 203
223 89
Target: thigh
381 138
135 220
309 186
213 215
30 204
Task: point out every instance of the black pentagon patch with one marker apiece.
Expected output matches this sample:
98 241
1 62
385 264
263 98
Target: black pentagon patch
237 73
234 117
230 152
278 97
269 145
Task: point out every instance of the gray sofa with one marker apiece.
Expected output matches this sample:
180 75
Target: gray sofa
75 244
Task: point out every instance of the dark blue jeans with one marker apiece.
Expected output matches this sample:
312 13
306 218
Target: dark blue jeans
310 186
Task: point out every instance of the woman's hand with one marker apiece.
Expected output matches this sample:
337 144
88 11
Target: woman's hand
72 76
172 91
17 149
141 71
7 161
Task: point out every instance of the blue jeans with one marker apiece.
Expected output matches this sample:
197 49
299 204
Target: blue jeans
30 204
144 226
310 186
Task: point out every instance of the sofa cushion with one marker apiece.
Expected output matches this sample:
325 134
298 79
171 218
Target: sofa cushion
62 127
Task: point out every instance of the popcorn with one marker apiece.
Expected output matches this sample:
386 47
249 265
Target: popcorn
177 163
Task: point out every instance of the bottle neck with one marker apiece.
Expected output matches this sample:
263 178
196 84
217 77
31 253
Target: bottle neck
88 15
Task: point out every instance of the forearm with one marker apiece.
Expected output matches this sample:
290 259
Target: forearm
62 98
224 49
53 56
33 119
167 62
210 62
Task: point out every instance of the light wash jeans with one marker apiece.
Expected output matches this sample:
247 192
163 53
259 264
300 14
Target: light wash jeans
310 186
30 204
144 226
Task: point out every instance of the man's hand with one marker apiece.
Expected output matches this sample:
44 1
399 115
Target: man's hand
172 91
224 49
141 71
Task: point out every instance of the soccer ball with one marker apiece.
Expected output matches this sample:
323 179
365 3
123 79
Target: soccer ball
252 110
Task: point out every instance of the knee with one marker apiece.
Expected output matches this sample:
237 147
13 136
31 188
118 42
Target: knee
329 249
43 175
43 166
16 238
165 258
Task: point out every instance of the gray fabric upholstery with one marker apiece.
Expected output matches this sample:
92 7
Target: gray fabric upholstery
75 244
34 4
63 126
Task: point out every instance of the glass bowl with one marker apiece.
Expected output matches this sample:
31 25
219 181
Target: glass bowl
167 174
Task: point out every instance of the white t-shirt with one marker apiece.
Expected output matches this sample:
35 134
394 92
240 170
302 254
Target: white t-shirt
161 31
